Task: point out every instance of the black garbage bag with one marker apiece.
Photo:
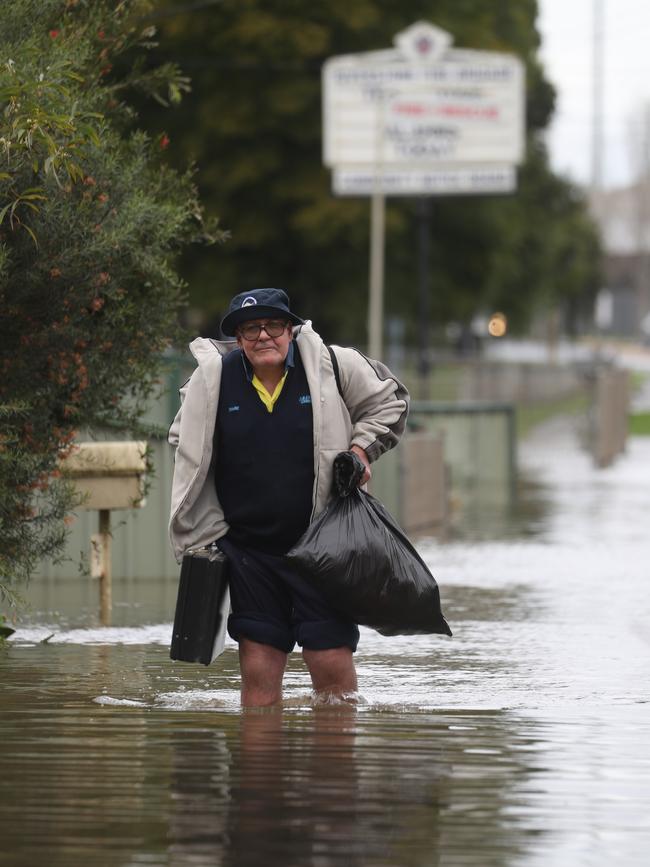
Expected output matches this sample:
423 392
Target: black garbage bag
364 565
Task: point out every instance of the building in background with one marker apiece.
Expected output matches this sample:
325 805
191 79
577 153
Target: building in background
623 215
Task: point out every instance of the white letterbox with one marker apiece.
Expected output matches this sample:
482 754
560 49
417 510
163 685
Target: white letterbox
109 474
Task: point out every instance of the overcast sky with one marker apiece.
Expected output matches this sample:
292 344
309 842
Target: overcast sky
567 50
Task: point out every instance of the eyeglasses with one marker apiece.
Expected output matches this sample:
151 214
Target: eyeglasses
252 330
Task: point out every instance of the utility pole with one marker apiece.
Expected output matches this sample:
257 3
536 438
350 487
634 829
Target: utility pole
598 98
598 81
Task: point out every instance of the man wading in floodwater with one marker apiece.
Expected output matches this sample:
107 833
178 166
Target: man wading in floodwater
260 424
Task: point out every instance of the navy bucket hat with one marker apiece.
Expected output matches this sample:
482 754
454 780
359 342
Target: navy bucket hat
257 304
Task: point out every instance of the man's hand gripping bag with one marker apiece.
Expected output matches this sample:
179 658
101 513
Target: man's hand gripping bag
364 565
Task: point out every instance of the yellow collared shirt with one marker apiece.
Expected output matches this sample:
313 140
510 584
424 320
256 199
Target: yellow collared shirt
269 400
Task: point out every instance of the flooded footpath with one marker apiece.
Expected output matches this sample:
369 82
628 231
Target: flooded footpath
522 740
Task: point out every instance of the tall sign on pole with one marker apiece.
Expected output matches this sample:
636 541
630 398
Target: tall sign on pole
420 119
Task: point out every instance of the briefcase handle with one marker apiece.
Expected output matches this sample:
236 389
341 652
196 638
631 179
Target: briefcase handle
211 552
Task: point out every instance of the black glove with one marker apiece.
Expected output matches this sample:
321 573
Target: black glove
348 472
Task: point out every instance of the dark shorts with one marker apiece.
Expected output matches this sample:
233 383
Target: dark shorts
273 605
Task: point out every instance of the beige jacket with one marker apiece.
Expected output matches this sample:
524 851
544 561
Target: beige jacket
369 412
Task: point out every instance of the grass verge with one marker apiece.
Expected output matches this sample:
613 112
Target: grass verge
639 424
533 414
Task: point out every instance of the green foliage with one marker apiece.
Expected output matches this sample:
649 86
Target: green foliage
91 222
253 125
5 631
518 254
639 424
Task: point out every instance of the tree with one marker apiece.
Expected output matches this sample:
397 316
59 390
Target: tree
91 221
253 125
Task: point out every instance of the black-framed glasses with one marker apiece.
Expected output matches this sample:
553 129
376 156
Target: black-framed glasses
252 330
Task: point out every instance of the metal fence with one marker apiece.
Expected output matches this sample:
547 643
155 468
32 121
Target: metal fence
456 458
453 454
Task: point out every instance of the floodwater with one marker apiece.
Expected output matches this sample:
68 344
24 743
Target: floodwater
522 740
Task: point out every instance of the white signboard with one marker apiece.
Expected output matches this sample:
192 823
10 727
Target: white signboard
351 181
420 119
418 108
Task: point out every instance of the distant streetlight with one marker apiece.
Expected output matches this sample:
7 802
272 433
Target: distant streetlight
497 325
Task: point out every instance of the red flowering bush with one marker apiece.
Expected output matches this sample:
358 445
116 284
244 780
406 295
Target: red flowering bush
91 221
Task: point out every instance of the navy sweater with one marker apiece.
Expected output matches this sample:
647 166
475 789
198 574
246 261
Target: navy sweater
264 470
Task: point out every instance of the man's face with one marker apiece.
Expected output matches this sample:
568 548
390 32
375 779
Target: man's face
262 350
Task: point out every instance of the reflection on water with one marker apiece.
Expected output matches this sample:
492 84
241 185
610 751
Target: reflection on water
524 740
309 784
193 781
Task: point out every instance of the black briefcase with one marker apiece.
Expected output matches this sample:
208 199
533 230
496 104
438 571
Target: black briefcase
199 621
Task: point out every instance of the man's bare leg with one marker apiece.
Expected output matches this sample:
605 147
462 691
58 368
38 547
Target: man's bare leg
332 671
262 669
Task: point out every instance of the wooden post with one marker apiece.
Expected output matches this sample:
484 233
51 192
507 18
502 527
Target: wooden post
100 567
610 413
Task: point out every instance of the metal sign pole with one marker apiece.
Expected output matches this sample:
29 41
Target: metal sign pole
424 297
376 299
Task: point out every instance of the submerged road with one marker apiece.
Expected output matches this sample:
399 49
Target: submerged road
523 740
